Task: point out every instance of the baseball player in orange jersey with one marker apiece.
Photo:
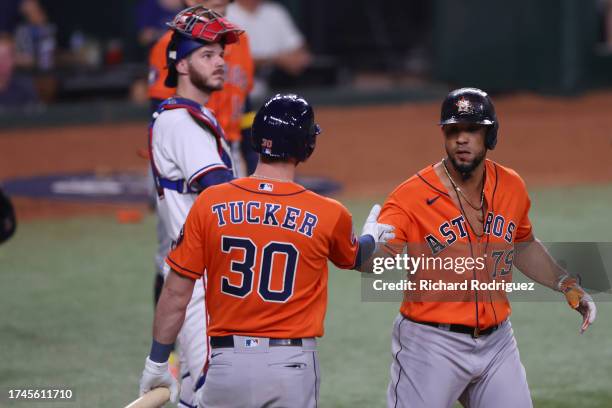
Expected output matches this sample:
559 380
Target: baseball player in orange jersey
262 244
464 348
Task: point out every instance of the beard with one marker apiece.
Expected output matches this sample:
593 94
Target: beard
203 83
466 169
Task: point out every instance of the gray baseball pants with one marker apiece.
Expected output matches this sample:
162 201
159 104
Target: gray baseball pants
434 368
254 375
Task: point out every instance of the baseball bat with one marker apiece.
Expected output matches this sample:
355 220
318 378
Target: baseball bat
155 398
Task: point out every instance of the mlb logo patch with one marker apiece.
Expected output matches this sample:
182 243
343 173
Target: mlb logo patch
266 187
251 343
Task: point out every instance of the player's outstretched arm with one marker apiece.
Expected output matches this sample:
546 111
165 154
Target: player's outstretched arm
532 258
535 262
372 235
169 317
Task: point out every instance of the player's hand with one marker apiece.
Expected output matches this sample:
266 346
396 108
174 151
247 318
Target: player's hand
578 299
380 232
157 375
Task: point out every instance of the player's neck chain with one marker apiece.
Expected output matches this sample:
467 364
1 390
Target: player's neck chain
458 189
270 178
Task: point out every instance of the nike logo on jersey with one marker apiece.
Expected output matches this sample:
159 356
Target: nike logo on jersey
430 201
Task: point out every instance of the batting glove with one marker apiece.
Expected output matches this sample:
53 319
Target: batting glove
380 232
579 300
157 375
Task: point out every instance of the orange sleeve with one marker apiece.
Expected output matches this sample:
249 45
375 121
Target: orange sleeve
187 254
524 231
247 63
393 214
158 69
228 104
344 245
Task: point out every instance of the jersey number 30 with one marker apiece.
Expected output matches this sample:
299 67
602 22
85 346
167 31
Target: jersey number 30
245 267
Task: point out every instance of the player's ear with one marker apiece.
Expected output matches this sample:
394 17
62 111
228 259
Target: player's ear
182 67
442 132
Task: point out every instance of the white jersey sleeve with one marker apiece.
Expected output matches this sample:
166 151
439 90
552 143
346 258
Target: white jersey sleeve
182 149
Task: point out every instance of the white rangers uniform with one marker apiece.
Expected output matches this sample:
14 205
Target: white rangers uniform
186 146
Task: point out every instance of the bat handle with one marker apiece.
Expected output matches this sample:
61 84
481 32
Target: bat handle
155 398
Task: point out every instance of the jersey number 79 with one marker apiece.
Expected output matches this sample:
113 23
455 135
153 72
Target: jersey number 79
245 268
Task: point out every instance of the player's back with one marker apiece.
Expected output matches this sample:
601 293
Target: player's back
265 248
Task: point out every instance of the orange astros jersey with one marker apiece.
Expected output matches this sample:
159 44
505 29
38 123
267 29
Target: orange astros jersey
424 215
263 247
227 104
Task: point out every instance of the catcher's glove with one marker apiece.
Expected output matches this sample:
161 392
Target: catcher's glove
578 299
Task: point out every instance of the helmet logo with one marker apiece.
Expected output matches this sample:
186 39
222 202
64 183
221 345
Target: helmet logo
465 106
266 146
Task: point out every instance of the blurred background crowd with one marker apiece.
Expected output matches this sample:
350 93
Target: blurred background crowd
60 51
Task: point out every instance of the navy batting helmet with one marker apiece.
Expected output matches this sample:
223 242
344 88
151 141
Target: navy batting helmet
471 105
284 128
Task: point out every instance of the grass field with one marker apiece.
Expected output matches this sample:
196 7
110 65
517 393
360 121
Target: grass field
76 312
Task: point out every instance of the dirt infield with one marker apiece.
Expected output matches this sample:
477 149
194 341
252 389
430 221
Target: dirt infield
370 149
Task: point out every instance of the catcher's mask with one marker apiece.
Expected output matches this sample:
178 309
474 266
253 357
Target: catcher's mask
193 28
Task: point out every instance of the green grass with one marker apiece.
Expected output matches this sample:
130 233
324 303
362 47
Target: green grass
76 312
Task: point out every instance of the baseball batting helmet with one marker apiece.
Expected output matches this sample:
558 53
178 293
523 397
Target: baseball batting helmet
284 128
471 105
193 28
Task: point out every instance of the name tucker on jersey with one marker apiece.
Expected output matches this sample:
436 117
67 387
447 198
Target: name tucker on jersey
496 225
256 212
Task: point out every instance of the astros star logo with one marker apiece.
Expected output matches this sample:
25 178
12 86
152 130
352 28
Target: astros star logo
464 106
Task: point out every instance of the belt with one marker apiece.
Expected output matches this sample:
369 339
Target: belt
228 342
180 186
475 332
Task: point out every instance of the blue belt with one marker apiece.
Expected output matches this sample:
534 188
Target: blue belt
176 185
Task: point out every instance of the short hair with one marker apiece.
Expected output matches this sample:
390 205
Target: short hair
271 160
